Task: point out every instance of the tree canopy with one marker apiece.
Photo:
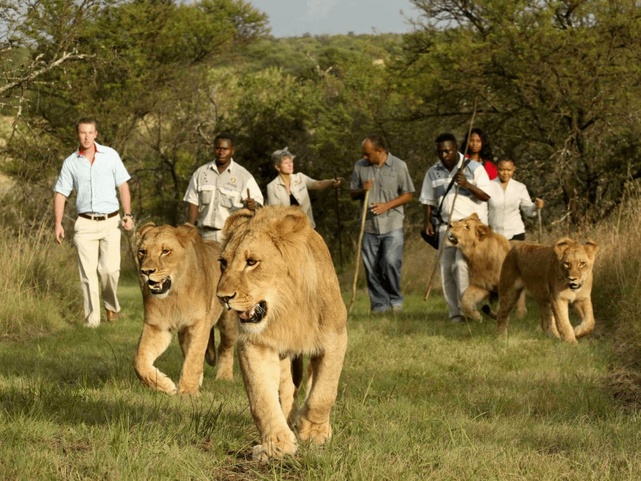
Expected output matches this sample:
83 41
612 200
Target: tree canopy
556 85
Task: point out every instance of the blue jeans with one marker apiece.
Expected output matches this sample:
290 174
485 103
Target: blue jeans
383 258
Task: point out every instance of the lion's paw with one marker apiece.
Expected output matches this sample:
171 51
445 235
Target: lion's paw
188 391
473 316
226 374
318 433
160 382
279 446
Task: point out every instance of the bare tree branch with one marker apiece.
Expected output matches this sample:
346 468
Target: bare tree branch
33 72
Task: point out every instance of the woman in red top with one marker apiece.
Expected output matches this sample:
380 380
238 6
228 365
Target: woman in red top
479 149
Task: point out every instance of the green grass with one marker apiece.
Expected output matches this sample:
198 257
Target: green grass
419 399
39 287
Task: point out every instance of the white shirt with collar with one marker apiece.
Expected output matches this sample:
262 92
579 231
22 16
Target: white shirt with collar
505 207
438 178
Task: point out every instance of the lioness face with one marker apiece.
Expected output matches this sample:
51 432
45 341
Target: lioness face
575 261
159 252
465 231
253 273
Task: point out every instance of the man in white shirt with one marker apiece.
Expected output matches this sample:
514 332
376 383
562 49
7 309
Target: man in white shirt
469 197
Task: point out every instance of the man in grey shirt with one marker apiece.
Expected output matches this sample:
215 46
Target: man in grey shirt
387 179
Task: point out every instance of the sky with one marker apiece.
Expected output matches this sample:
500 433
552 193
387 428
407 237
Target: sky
293 18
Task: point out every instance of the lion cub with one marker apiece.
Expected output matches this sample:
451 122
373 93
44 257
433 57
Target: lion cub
555 276
278 275
179 273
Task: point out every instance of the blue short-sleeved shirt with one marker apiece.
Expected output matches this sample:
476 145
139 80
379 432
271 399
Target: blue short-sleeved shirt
95 184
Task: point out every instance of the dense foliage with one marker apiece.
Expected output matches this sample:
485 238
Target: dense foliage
555 84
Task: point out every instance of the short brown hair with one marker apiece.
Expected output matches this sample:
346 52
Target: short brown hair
86 120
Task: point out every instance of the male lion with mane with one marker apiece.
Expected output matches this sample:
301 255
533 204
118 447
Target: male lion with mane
277 274
179 272
555 276
484 251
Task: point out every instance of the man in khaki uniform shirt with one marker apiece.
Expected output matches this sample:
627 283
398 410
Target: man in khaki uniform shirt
218 189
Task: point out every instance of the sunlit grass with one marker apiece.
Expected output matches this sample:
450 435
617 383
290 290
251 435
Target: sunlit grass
420 398
39 286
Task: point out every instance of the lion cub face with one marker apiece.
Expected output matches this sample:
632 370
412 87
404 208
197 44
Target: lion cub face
160 251
575 261
466 231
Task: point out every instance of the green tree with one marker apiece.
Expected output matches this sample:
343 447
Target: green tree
141 75
556 84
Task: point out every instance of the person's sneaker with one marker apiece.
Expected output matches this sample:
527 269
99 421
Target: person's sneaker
111 315
397 308
457 319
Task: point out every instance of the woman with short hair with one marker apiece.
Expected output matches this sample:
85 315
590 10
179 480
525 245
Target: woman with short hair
291 188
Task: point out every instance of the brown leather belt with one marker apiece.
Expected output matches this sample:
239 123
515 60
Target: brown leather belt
98 216
206 227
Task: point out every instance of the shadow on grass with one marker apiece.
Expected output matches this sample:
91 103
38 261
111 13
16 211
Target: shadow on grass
196 419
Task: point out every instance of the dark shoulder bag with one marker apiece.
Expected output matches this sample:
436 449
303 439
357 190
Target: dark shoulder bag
436 220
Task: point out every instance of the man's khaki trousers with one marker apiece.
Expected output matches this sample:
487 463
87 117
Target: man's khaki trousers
98 247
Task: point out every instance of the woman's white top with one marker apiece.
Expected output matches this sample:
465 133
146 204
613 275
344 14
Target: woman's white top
505 207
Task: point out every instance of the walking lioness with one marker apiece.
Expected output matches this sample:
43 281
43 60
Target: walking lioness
277 274
179 273
555 276
484 250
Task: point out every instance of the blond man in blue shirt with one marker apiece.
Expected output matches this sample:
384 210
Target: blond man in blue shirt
95 172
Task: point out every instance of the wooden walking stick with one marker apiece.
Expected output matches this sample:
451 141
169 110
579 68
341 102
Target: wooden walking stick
538 214
358 251
338 223
441 244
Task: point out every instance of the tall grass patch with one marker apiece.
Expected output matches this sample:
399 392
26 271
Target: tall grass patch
39 287
617 297
420 398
